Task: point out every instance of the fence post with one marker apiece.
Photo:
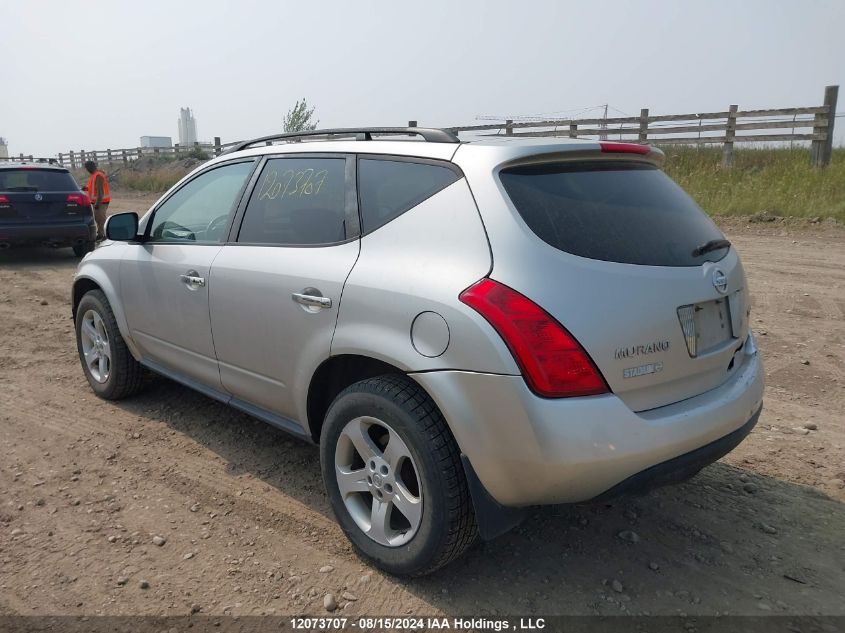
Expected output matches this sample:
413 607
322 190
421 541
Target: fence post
176 150
509 127
108 155
140 152
643 138
730 134
573 130
123 156
217 146
60 158
821 151
72 160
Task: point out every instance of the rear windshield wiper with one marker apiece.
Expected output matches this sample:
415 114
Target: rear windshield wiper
21 188
712 245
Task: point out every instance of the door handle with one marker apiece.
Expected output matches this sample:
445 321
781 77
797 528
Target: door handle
193 280
312 301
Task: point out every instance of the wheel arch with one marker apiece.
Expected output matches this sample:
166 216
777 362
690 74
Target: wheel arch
81 286
334 375
90 280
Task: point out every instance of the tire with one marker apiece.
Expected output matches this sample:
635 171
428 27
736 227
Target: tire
123 375
80 250
444 523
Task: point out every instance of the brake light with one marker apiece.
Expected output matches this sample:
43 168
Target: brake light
552 362
4 201
78 198
624 148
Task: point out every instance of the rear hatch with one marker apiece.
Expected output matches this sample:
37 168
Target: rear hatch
33 195
634 269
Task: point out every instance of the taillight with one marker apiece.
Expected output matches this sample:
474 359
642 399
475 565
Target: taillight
78 198
624 148
4 202
553 363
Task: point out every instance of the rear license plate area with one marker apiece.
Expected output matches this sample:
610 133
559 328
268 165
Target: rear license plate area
712 324
706 325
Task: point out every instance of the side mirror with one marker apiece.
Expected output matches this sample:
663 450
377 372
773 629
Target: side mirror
122 227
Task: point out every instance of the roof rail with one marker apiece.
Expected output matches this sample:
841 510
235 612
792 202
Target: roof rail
429 134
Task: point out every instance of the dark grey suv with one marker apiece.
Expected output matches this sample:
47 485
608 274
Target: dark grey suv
41 205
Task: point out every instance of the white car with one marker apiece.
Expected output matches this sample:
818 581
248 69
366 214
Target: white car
465 328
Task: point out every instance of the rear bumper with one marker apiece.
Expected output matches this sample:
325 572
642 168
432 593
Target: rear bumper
528 450
685 466
55 233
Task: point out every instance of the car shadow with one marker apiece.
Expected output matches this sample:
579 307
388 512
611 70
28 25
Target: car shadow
36 257
728 541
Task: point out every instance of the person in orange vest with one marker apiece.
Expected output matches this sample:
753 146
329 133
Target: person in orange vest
98 191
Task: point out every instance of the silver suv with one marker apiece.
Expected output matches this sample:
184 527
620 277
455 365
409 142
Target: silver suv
464 328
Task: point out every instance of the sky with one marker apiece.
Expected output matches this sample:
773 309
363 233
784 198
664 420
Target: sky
100 74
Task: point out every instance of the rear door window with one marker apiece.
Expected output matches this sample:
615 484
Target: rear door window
36 180
388 188
297 202
616 211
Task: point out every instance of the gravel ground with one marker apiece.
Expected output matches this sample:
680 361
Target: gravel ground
170 503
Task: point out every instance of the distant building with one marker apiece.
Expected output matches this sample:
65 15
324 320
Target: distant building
156 141
187 127
4 148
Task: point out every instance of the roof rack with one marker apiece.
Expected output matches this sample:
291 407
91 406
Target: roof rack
429 134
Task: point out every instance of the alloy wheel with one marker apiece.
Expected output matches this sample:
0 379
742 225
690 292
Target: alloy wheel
95 346
378 481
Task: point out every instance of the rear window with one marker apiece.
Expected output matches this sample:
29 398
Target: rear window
36 180
613 211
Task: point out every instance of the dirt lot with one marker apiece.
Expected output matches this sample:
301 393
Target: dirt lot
85 485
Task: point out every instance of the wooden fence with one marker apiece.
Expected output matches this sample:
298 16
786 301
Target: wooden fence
76 160
726 128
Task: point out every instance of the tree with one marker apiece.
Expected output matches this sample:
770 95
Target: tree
298 118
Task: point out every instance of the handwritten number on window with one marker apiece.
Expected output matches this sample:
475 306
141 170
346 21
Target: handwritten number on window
306 182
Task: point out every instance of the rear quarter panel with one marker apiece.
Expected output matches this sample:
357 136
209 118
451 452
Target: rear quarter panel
419 262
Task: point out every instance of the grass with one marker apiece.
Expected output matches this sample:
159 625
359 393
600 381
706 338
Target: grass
160 173
775 181
153 180
153 173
